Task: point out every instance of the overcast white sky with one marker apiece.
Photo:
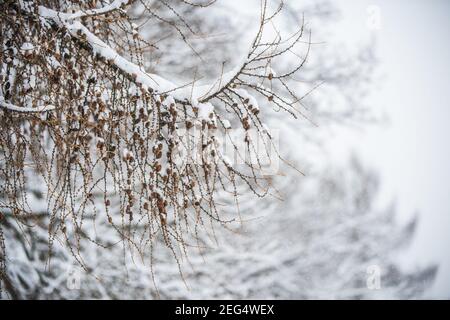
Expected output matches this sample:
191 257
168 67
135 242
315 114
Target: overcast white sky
413 152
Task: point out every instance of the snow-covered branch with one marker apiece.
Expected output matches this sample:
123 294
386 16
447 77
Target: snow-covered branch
193 93
113 6
133 71
12 107
148 81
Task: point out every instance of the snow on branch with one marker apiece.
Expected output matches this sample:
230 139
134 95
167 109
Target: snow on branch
115 5
100 48
12 107
194 94
135 73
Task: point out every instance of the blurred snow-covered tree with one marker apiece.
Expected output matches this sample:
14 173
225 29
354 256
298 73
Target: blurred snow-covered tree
317 244
99 237
320 243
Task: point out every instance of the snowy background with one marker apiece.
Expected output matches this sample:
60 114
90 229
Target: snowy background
408 148
374 200
411 152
